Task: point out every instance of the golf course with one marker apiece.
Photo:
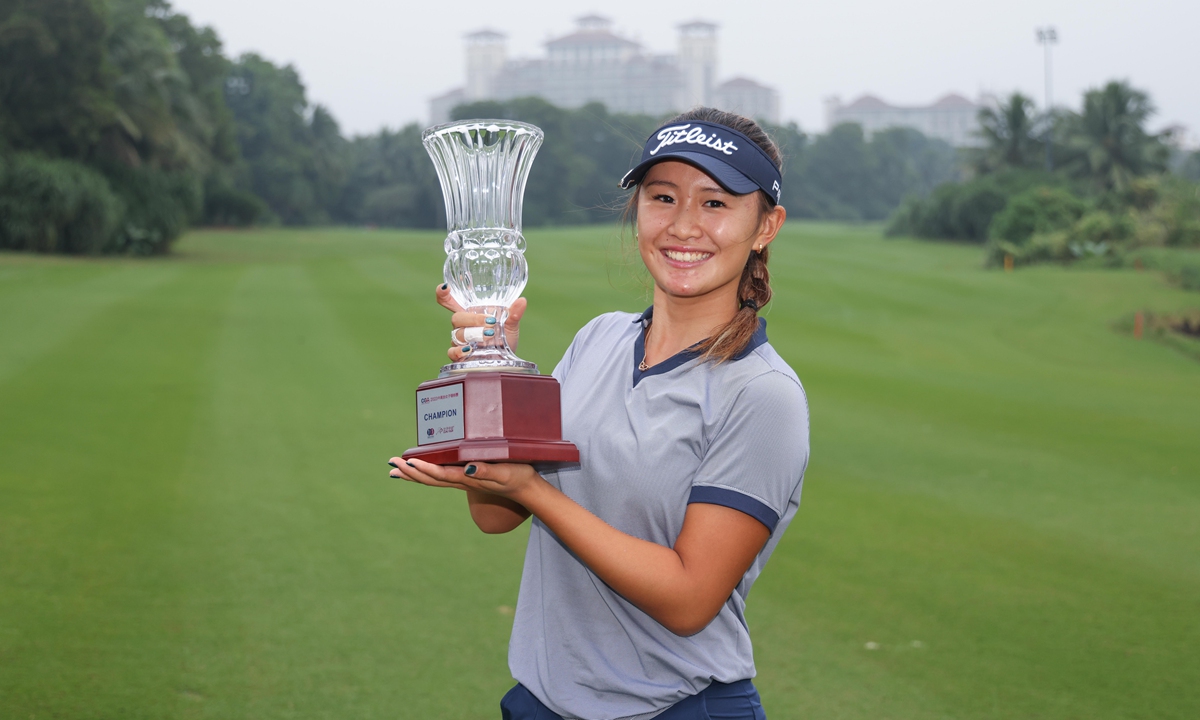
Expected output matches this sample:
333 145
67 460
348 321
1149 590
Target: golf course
1001 517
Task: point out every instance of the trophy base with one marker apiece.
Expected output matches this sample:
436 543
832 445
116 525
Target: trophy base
532 452
499 365
491 417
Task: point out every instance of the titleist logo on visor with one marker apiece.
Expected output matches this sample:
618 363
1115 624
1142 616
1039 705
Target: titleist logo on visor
686 134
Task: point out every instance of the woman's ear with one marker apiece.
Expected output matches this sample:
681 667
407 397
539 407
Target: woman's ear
772 223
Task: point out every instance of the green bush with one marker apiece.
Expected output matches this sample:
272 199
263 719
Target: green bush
952 212
226 206
1104 227
1179 212
159 206
55 206
964 211
1095 234
1037 210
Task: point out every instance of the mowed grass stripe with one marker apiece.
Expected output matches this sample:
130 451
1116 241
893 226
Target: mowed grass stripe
324 583
44 306
92 447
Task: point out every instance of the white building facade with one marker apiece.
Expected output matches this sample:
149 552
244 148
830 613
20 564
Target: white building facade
952 118
594 64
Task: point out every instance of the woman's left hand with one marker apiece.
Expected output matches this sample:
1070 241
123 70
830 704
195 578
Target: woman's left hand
510 480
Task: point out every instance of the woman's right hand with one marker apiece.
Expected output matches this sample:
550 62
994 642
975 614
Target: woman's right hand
461 320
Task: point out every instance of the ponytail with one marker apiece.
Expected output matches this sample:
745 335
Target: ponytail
754 292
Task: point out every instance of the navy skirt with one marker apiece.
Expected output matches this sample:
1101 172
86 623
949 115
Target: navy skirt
719 701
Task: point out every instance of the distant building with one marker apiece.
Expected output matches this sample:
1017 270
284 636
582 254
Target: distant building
953 118
746 97
594 64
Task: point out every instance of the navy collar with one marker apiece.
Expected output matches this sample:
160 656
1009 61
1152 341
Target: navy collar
685 355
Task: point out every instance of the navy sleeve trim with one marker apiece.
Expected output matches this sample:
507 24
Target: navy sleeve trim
712 495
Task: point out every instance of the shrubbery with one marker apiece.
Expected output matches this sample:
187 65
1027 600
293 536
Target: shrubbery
60 206
1110 195
227 206
55 206
1044 225
963 211
158 206
1037 210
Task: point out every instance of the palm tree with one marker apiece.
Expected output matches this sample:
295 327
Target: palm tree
1109 140
1009 134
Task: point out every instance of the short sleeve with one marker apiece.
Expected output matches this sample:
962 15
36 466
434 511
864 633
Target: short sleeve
563 368
757 456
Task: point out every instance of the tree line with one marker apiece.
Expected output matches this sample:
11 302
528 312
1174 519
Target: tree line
122 123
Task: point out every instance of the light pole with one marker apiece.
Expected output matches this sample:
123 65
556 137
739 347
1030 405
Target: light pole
1047 37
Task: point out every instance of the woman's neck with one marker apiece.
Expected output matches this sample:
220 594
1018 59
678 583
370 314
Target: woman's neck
680 323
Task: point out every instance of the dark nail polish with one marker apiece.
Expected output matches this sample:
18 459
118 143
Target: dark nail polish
491 321
393 464
466 348
443 286
489 332
470 470
409 464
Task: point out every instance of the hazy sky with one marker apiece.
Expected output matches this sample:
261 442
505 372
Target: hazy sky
377 63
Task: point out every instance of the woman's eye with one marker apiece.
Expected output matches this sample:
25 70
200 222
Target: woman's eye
664 198
714 204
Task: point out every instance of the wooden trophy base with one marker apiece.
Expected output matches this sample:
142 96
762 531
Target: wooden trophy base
491 416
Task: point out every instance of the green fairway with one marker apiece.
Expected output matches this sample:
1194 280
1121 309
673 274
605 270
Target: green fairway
1001 518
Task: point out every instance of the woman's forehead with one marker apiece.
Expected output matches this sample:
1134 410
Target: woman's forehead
679 173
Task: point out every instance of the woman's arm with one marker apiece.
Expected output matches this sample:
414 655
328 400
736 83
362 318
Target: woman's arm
494 514
683 587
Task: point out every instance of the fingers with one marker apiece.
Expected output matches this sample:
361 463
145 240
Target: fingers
472 320
445 300
458 353
428 474
515 312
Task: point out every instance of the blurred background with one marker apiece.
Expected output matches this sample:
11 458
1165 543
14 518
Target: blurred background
219 233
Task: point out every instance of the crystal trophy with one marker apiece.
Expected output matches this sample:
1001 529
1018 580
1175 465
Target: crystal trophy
491 406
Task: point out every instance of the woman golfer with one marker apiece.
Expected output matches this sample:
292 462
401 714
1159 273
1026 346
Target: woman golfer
693 439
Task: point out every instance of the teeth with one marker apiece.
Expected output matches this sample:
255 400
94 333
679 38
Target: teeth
687 256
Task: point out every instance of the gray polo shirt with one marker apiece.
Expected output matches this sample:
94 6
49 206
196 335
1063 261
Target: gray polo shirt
650 443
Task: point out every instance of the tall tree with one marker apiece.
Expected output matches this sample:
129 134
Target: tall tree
1010 136
293 150
1109 141
55 79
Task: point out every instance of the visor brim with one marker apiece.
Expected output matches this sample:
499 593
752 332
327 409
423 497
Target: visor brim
727 176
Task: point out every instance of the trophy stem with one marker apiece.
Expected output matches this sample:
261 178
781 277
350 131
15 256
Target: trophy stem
491 353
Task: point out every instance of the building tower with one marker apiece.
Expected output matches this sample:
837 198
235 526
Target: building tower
485 60
698 61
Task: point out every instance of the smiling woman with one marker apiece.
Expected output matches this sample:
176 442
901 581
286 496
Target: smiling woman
693 441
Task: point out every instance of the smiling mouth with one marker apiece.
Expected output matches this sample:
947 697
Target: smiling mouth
687 257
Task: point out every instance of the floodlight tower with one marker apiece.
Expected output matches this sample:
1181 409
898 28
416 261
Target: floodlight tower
1047 37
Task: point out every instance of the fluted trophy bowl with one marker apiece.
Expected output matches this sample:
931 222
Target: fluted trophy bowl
482 166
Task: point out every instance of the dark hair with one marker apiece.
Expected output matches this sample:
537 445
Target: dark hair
754 290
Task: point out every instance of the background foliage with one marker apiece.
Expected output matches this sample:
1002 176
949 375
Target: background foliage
122 123
131 120
1063 187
